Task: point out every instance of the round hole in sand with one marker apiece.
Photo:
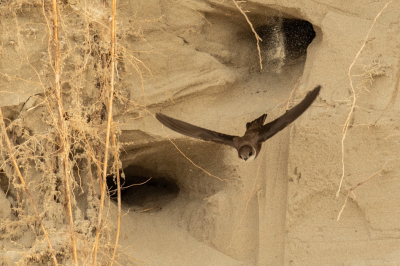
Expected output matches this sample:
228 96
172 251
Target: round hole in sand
285 38
139 188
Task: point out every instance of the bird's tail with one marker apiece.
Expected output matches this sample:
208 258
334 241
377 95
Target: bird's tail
259 121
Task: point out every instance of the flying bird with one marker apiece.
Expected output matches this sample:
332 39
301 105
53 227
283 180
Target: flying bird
249 145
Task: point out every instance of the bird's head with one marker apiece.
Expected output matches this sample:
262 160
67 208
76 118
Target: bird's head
247 153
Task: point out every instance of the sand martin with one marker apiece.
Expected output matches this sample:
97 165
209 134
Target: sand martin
249 145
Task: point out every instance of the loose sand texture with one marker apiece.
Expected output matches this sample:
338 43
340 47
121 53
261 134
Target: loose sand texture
324 191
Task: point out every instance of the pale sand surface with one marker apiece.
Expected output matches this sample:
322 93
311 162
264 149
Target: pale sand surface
280 209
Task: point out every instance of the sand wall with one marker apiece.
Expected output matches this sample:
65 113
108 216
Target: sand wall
199 61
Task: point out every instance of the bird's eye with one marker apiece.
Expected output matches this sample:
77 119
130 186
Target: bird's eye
250 153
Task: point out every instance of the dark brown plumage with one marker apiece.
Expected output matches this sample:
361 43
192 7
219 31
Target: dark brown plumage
249 145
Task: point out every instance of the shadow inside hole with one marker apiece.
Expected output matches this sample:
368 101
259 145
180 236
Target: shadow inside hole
285 39
4 182
139 188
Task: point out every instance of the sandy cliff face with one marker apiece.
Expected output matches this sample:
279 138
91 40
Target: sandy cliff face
198 61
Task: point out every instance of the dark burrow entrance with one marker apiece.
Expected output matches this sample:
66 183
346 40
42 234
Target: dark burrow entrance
292 36
143 189
285 40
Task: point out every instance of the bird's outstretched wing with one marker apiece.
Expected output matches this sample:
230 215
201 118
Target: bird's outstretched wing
195 131
270 129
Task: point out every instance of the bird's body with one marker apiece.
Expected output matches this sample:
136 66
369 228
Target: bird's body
249 145
249 141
